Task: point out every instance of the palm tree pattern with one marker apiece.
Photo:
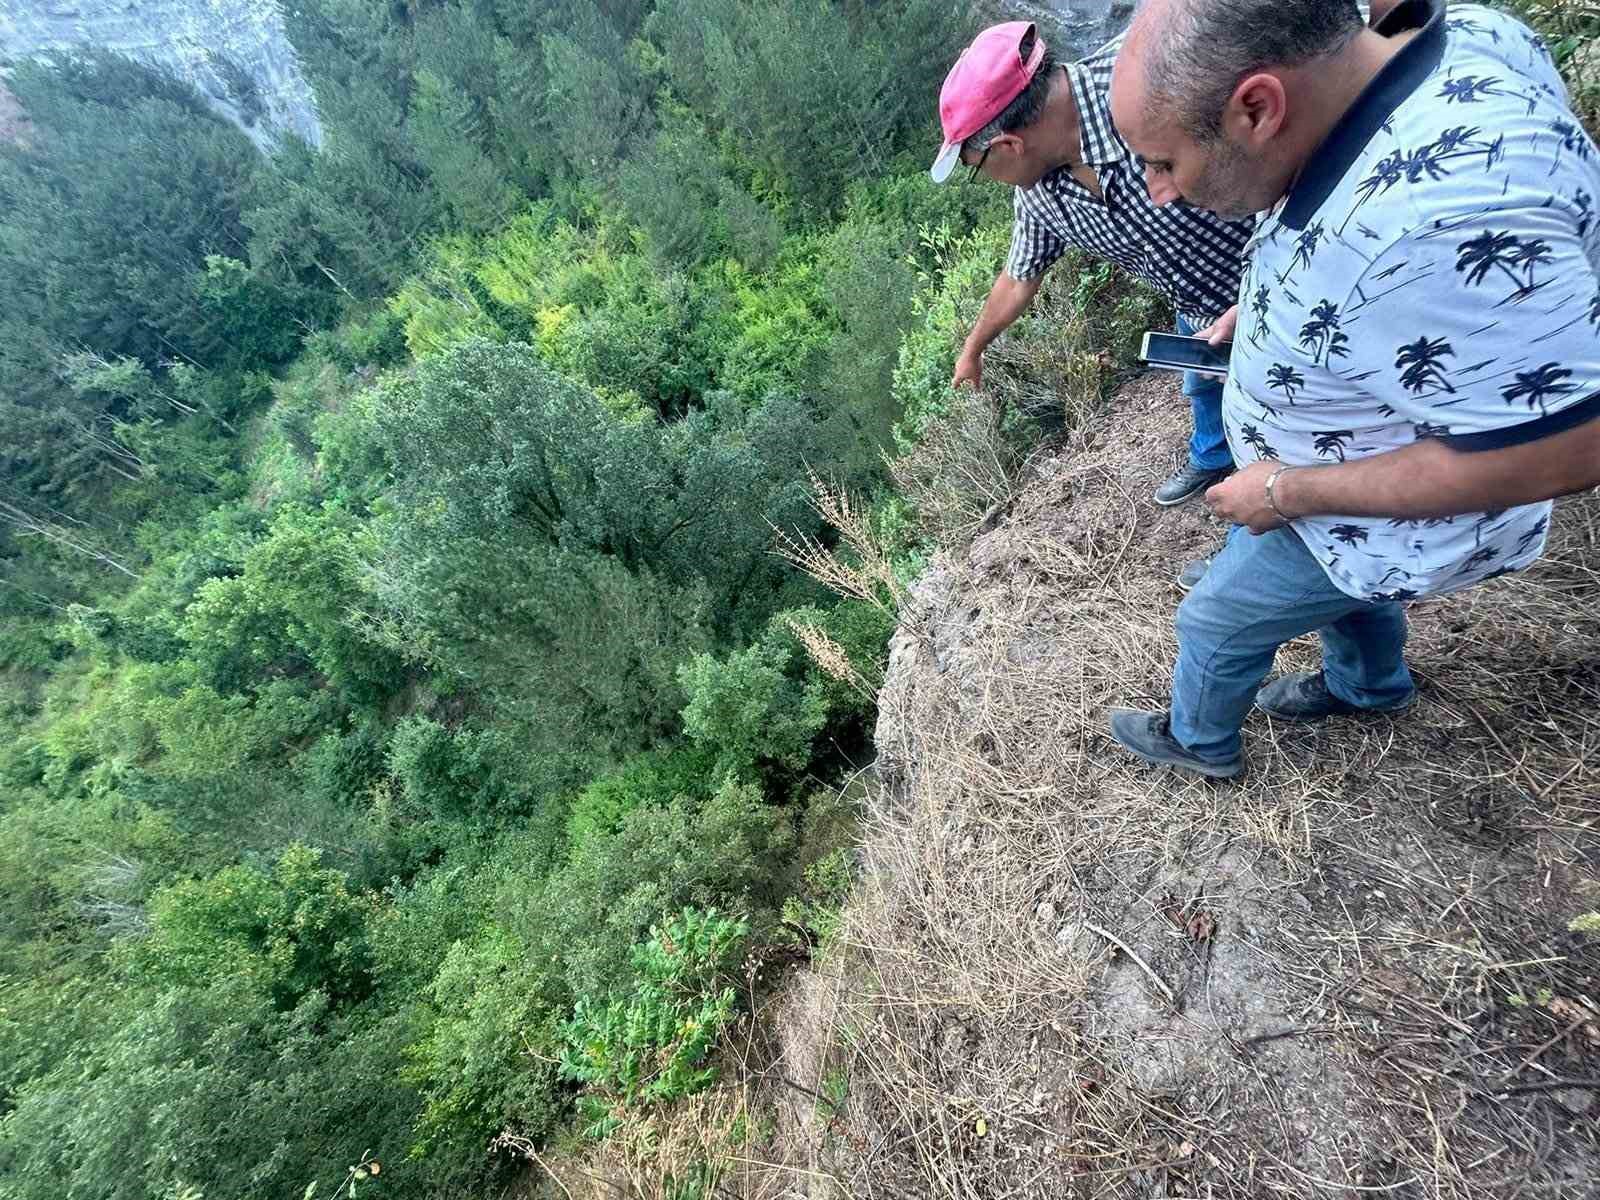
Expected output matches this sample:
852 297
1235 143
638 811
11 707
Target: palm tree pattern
1571 138
1584 203
1254 438
1508 254
1285 379
1321 333
1330 443
1439 286
1428 162
1260 305
1420 364
1538 385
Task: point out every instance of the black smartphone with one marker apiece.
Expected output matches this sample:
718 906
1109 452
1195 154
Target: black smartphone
1173 353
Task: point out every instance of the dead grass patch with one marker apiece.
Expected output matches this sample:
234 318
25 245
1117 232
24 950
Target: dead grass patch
1065 975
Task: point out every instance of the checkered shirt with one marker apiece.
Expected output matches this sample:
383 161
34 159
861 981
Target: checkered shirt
1189 255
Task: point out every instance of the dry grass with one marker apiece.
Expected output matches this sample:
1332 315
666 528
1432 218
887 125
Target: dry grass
1066 975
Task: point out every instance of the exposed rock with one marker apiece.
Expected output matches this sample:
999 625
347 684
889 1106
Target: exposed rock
234 52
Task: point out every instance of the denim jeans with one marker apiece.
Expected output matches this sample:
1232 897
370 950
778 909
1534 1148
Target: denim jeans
1208 445
1258 593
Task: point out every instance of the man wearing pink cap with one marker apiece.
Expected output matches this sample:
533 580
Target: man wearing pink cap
1011 112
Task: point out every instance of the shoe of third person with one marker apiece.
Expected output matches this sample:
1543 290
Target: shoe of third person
1188 481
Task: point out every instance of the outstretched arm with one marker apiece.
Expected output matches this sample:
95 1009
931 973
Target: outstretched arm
1425 480
1008 299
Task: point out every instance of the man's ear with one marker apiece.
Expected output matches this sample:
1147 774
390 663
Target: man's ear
1007 143
1256 110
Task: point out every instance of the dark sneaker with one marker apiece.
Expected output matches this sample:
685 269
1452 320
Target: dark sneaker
1193 573
1189 481
1304 696
1148 735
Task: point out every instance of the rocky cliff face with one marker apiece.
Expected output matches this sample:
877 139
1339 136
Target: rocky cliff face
1077 27
233 51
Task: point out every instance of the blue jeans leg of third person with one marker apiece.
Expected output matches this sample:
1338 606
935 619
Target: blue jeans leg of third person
1208 445
1258 593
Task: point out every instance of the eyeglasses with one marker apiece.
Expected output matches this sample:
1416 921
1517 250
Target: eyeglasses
978 166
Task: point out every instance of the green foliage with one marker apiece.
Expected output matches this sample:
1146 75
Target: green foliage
287 611
817 907
653 778
487 1061
289 931
411 648
460 773
747 709
650 1044
949 297
810 94
720 853
111 211
213 1090
541 544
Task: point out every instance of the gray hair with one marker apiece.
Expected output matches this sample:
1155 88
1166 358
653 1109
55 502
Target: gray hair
1029 104
1197 55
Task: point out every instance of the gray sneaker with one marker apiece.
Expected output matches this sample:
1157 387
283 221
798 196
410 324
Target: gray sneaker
1188 481
1193 573
1149 736
1304 696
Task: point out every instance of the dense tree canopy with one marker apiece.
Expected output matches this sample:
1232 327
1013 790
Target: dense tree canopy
390 637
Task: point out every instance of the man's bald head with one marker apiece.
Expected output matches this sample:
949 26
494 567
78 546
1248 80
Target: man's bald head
1187 57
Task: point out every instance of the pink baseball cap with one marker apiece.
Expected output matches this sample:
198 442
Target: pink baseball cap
989 75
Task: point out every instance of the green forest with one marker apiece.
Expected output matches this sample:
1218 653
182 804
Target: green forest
406 725
410 728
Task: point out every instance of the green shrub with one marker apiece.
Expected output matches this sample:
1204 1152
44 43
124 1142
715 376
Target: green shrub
650 1044
457 773
487 1060
654 778
750 709
728 852
289 931
817 907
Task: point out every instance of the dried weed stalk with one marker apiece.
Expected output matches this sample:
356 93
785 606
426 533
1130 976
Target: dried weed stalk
864 572
831 658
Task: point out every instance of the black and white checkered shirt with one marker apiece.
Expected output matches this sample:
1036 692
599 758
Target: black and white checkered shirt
1189 255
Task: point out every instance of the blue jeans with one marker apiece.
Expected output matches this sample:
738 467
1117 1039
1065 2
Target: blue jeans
1208 445
1259 593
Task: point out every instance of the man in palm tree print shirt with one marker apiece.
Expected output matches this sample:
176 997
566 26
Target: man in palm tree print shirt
1417 368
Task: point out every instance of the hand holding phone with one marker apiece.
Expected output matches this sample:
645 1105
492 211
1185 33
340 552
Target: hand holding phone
1170 352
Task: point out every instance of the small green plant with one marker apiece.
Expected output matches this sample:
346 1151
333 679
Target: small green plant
651 1045
835 1089
816 909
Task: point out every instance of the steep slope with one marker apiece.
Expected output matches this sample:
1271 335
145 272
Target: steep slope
1352 974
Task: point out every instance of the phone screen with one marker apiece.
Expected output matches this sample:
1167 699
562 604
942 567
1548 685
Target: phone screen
1188 353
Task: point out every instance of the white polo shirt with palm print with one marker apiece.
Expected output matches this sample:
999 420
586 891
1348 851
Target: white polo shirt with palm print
1434 272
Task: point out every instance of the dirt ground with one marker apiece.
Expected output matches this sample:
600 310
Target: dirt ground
1068 975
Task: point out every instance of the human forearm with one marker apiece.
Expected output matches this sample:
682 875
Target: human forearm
1008 299
1424 481
1429 480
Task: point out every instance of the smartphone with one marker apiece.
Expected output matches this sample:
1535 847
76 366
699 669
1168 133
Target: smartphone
1173 353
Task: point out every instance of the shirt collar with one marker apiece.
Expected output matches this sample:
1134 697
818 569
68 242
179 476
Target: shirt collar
1100 143
1401 76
